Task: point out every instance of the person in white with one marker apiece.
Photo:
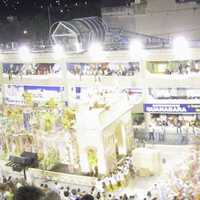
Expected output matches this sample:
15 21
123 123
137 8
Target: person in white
99 186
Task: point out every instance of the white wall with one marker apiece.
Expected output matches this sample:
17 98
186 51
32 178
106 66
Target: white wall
164 18
121 17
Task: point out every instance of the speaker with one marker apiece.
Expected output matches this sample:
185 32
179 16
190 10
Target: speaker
31 157
19 160
17 168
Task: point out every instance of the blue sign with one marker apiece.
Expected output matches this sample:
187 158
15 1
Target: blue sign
44 88
185 1
172 108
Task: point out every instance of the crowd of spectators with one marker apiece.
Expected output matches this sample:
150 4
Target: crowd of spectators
185 68
174 93
17 189
167 129
184 130
106 188
80 69
30 69
104 69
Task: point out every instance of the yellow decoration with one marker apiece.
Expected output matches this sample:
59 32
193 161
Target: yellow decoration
28 98
51 103
48 122
68 118
92 158
15 115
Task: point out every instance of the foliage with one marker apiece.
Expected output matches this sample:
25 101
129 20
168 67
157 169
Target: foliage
50 160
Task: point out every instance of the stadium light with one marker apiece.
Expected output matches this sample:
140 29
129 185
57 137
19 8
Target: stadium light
96 51
136 49
181 48
78 47
95 48
25 53
58 51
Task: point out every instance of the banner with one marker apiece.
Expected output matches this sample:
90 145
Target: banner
14 94
185 1
172 108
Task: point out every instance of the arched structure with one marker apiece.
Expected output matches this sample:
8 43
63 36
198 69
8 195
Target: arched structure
77 34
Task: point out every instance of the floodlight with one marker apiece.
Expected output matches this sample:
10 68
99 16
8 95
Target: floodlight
58 51
25 53
136 46
181 48
95 47
136 49
96 51
78 46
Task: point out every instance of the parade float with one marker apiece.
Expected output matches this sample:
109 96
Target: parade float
57 132
42 130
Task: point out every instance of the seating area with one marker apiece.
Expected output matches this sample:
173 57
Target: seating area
20 69
104 69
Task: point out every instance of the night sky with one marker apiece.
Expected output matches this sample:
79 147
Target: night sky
59 8
31 19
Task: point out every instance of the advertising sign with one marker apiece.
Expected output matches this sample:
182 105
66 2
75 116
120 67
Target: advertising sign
172 108
14 94
185 1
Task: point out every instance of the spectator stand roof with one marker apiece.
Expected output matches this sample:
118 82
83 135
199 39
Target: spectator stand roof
81 31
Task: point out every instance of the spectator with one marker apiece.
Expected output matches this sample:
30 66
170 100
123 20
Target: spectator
125 197
66 195
73 194
52 195
87 197
149 195
28 193
98 195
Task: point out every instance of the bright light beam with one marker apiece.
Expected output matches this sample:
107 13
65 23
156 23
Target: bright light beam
96 51
136 49
181 49
25 53
58 51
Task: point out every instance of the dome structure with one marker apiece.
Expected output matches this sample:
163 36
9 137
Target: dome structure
78 34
